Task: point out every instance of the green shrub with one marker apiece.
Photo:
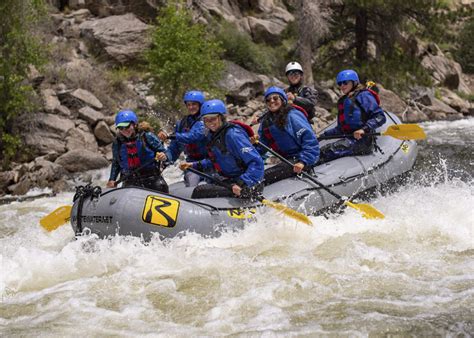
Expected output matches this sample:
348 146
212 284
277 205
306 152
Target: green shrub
240 49
19 49
465 54
183 57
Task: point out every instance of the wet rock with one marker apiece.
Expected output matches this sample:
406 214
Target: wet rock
81 160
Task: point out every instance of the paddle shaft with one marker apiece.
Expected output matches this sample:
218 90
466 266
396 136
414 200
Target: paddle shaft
345 136
305 174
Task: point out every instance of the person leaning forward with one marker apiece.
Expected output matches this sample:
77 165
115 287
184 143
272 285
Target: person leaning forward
134 155
231 154
287 131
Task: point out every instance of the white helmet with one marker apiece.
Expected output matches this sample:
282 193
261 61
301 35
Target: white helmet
293 65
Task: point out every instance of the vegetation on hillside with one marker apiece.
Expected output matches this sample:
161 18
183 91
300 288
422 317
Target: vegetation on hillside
183 57
19 50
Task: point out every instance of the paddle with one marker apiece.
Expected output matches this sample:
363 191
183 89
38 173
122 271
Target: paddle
398 131
280 207
62 214
367 210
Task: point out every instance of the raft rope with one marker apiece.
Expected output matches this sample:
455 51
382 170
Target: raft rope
82 192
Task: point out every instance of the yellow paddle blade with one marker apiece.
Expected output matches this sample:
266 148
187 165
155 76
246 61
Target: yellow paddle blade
57 218
288 211
405 132
367 210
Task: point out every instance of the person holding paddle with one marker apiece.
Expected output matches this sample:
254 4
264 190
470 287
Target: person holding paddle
188 137
358 114
134 155
286 130
231 154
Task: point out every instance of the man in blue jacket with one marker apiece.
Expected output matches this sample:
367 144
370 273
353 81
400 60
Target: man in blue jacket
231 154
358 114
287 131
188 137
133 154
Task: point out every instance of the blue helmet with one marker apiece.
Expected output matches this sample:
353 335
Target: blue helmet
213 107
125 117
277 90
347 75
194 96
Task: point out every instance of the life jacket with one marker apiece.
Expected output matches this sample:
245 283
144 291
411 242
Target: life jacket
192 149
133 153
218 141
347 117
267 123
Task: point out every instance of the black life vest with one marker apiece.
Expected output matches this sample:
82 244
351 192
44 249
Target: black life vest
218 140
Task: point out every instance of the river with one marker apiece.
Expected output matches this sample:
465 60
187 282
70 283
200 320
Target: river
411 274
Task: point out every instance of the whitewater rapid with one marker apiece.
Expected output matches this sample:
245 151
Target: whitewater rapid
409 274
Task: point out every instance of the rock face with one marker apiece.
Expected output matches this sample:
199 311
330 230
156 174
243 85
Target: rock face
240 84
81 160
122 37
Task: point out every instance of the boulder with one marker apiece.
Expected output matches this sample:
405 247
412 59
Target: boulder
441 111
391 102
240 84
454 101
81 160
91 116
87 97
122 38
103 134
81 138
50 100
263 30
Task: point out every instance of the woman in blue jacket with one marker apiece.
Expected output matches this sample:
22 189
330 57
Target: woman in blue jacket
231 154
133 154
287 131
358 114
188 137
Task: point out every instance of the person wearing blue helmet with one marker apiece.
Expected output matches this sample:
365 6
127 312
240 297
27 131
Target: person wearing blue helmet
287 131
231 154
133 154
358 114
188 137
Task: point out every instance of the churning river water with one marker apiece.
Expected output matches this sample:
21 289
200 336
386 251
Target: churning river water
411 274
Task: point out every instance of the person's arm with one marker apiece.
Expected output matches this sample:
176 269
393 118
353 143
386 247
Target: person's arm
375 114
154 143
240 147
196 134
305 137
262 139
173 151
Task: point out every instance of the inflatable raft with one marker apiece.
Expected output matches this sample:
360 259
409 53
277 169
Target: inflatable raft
142 212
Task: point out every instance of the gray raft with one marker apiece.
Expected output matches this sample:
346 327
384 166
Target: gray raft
142 212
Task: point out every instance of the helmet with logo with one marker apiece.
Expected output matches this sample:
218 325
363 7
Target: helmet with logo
292 66
277 90
213 107
347 75
194 96
125 117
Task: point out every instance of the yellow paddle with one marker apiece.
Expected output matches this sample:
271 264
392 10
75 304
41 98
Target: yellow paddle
398 131
57 218
278 206
367 210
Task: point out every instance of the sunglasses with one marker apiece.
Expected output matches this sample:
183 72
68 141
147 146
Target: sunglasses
125 127
342 83
273 98
293 72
